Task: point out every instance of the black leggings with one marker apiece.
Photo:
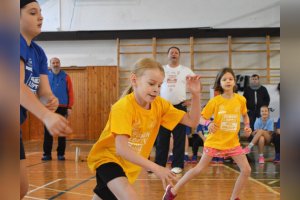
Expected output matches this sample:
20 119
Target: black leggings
197 142
276 142
104 174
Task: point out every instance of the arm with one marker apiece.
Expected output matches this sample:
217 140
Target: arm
70 94
247 128
127 153
56 124
191 118
187 103
45 94
28 100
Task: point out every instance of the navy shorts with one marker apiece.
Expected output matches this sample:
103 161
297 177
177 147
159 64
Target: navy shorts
104 174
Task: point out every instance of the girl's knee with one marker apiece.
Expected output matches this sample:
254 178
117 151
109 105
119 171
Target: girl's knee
261 139
246 170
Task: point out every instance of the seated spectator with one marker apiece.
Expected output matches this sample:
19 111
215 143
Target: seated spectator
262 134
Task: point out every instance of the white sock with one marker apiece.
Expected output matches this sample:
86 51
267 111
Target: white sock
261 155
171 154
250 145
186 153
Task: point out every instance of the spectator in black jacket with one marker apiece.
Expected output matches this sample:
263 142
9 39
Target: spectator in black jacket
257 96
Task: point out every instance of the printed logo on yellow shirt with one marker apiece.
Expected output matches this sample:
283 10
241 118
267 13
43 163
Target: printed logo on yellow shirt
139 137
229 122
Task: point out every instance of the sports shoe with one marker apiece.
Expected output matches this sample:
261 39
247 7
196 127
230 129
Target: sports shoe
194 159
221 160
247 150
46 158
170 159
61 158
186 158
215 160
277 158
168 194
176 170
261 160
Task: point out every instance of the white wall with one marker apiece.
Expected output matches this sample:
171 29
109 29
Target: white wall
73 15
82 53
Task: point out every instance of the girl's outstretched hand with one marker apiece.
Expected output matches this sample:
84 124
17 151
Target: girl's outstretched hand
56 124
193 84
167 176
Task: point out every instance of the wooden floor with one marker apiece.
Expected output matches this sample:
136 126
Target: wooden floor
73 180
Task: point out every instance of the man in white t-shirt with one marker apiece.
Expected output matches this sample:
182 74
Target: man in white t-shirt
173 89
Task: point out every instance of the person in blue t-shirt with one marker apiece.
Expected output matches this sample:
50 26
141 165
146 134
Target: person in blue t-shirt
35 93
262 134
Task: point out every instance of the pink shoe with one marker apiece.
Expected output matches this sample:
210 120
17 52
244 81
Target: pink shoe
168 194
261 160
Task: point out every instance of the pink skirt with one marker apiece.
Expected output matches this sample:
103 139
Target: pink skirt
224 153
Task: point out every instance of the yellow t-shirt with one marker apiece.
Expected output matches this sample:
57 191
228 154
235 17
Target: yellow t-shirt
227 115
141 125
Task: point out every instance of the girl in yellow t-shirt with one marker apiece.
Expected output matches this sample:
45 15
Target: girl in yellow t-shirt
128 137
222 140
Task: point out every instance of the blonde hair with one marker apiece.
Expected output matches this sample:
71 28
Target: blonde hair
140 67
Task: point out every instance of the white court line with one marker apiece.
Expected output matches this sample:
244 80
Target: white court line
265 172
194 179
29 197
272 182
67 192
43 186
252 179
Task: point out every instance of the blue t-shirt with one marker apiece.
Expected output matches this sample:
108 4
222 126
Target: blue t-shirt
278 123
267 126
35 61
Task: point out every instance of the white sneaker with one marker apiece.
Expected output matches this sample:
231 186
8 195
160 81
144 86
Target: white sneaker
176 170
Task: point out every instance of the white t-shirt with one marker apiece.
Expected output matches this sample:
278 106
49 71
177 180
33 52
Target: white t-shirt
173 88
